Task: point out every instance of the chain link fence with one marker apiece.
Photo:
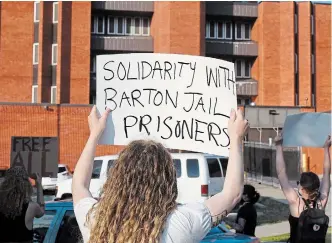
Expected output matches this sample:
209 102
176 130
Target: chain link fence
260 163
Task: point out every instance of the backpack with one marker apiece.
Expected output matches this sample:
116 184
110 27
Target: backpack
313 224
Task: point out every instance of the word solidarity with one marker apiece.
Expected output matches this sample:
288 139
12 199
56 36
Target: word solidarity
182 101
36 154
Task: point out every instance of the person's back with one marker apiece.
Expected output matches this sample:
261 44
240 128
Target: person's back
17 211
138 200
13 225
307 218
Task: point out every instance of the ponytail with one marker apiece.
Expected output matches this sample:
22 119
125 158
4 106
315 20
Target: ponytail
255 198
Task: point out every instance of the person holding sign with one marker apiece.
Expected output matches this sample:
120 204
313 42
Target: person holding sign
138 200
17 211
307 219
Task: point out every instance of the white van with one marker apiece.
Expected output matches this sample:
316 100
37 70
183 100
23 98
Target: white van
199 176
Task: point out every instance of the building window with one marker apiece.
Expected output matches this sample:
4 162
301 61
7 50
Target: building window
36 11
146 26
137 27
295 23
244 101
228 30
54 54
129 26
34 93
312 64
243 68
242 31
53 94
98 25
93 64
35 53
296 64
312 25
219 30
55 12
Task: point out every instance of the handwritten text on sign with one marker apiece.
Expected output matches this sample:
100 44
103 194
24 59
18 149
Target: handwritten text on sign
36 154
182 101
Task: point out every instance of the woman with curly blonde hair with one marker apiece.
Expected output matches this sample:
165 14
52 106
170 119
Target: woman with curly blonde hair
17 211
138 200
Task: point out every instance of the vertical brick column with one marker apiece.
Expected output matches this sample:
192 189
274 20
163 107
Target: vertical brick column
179 27
45 52
80 53
16 40
323 56
304 33
64 50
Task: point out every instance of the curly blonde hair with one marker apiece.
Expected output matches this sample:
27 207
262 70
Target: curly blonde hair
15 190
138 196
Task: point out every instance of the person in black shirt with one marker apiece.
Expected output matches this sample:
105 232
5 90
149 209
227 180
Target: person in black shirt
246 219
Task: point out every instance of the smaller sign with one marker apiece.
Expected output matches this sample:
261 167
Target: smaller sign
36 154
306 130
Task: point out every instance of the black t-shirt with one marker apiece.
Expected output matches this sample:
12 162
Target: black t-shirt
249 214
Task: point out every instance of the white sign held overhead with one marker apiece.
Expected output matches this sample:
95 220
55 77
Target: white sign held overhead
182 101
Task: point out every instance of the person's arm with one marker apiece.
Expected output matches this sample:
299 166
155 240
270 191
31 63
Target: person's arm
222 203
286 187
326 181
83 170
237 226
38 209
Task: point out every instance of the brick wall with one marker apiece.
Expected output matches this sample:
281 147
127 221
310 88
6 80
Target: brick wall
16 41
69 123
179 27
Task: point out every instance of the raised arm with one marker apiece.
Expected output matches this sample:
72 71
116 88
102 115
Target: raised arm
326 181
222 203
83 170
286 187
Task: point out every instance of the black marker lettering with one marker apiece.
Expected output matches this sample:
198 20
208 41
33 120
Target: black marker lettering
124 70
125 123
194 70
177 129
198 131
143 124
145 62
135 98
170 130
155 97
129 78
110 93
124 97
191 131
157 68
175 104
210 132
167 69
110 70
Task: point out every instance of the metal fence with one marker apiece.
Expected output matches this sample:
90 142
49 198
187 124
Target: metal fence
260 163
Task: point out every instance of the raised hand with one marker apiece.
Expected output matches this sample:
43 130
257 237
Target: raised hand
327 143
97 124
278 139
237 125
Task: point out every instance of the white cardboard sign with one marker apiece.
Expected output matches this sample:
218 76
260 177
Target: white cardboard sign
307 130
182 101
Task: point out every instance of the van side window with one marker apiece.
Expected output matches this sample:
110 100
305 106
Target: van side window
109 165
224 163
192 168
96 169
177 165
214 168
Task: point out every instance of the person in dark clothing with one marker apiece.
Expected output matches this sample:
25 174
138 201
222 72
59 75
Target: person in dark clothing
310 193
246 219
17 211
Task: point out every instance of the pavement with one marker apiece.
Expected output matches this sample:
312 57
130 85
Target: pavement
276 194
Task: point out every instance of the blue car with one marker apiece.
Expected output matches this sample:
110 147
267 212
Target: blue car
59 225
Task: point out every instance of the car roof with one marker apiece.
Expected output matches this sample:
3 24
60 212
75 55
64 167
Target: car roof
64 203
115 156
62 165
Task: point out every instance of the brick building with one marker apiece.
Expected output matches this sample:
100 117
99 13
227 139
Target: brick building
281 51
